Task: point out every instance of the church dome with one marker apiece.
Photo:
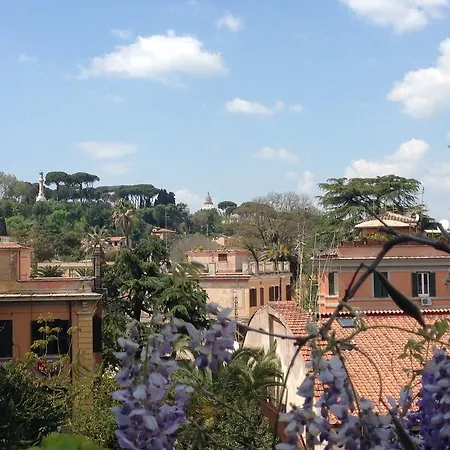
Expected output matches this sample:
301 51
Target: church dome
208 204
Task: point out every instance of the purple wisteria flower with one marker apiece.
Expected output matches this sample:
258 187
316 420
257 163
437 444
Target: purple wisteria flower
150 413
334 420
215 344
433 416
152 407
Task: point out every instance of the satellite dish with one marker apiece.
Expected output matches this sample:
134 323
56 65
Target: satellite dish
445 224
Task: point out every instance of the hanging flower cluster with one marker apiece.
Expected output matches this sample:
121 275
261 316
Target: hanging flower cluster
152 407
433 416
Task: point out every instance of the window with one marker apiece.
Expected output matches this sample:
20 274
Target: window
261 296
223 257
424 283
54 346
379 290
97 334
6 339
346 322
253 299
72 273
288 292
277 293
332 283
272 293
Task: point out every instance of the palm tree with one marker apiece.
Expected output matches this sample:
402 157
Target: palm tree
97 237
253 375
276 253
123 215
49 271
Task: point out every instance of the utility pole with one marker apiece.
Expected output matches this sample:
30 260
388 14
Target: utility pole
165 226
301 249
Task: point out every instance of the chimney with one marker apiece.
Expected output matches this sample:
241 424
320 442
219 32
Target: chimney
97 260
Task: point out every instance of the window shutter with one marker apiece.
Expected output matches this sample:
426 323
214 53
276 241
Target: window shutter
261 296
377 287
63 337
36 336
432 276
97 334
414 284
6 339
288 292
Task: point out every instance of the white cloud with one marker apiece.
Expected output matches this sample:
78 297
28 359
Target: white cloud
122 33
402 15
230 22
106 150
296 108
117 169
24 58
425 92
307 183
241 106
280 154
158 57
405 161
193 201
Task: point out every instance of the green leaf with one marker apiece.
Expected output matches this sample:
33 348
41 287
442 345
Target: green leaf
404 303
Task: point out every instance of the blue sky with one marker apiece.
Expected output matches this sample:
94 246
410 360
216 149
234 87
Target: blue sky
234 97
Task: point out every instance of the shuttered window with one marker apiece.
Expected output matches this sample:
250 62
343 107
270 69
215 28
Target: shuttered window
379 290
424 283
6 339
288 292
253 298
332 284
97 334
261 296
54 346
271 293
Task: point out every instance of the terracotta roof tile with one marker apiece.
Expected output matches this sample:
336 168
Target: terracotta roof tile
371 251
382 344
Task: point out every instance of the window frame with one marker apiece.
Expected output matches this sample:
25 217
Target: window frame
253 297
222 257
335 284
6 325
381 287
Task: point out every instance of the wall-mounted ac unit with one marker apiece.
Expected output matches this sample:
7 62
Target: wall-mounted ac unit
425 301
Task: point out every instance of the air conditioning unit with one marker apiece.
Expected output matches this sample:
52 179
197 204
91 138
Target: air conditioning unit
425 300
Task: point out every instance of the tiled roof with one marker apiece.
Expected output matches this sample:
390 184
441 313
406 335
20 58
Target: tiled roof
296 317
12 245
382 343
399 251
117 238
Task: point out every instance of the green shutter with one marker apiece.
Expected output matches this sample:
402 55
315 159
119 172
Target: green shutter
377 286
414 284
432 276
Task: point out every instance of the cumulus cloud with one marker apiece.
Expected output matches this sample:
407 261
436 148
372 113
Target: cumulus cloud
193 201
123 34
405 161
106 150
241 106
425 92
402 15
230 22
158 57
273 154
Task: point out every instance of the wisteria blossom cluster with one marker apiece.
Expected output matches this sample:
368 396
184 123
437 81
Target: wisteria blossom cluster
152 406
432 419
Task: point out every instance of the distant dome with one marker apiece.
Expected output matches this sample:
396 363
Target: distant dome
208 204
